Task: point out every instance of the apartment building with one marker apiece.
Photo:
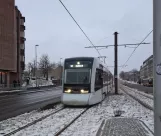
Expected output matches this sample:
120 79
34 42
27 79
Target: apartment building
146 70
12 43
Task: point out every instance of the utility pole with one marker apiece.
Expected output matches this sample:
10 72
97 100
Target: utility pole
36 64
116 62
157 66
61 69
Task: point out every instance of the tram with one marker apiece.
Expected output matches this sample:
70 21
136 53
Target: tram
85 81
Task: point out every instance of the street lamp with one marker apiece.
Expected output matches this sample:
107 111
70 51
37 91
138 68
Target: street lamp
61 71
36 63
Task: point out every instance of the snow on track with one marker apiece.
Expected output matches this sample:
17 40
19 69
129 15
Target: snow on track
52 124
88 124
141 93
143 98
14 123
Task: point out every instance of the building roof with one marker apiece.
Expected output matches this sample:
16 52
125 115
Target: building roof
148 59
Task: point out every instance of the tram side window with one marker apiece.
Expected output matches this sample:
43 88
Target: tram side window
98 79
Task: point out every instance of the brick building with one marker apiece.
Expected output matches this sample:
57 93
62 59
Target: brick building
12 43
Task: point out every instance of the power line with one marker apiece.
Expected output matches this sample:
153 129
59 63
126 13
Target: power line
138 46
106 46
79 26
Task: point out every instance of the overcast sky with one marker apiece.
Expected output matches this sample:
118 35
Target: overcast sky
49 25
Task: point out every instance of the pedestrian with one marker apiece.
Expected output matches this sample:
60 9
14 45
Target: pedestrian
14 83
27 81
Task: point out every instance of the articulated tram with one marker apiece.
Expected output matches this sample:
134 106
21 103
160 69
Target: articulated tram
85 81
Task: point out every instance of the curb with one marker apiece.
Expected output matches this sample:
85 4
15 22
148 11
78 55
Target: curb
27 90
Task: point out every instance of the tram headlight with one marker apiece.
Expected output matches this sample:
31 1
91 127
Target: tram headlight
68 91
84 91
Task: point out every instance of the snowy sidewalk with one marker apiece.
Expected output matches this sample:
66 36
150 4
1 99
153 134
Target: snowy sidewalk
123 127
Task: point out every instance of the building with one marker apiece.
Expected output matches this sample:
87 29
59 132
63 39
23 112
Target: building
146 70
20 42
55 73
12 43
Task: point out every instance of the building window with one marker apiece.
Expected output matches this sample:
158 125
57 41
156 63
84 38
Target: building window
22 28
23 40
98 79
22 52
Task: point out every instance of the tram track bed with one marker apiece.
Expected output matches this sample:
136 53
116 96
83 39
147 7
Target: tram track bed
150 96
12 124
143 98
87 123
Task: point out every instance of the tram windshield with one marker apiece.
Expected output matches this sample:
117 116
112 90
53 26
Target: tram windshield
77 76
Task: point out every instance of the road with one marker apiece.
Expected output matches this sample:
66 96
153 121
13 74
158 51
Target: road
140 87
13 105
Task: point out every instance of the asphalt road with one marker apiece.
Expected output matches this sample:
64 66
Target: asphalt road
13 105
140 87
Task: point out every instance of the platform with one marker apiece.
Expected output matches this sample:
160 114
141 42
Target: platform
123 127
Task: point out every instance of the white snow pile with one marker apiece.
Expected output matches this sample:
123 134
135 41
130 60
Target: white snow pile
125 81
88 123
40 82
14 123
1 92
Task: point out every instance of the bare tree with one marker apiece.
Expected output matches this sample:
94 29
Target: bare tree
53 65
45 65
132 75
122 75
30 68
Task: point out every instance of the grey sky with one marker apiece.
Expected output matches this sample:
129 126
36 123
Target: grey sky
50 26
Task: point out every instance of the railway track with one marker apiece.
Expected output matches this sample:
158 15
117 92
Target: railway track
34 122
143 100
141 93
46 116
70 123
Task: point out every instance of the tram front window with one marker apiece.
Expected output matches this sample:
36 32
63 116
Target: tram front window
77 76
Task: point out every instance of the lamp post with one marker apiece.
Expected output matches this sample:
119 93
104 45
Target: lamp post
36 64
60 71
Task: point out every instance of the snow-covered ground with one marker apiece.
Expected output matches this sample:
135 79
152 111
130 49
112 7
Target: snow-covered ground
14 123
41 82
140 96
87 125
51 125
1 92
125 81
141 93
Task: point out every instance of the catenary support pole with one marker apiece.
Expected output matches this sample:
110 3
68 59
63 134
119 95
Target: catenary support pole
116 62
157 65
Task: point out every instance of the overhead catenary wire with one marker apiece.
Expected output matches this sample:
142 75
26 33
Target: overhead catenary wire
79 26
138 46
